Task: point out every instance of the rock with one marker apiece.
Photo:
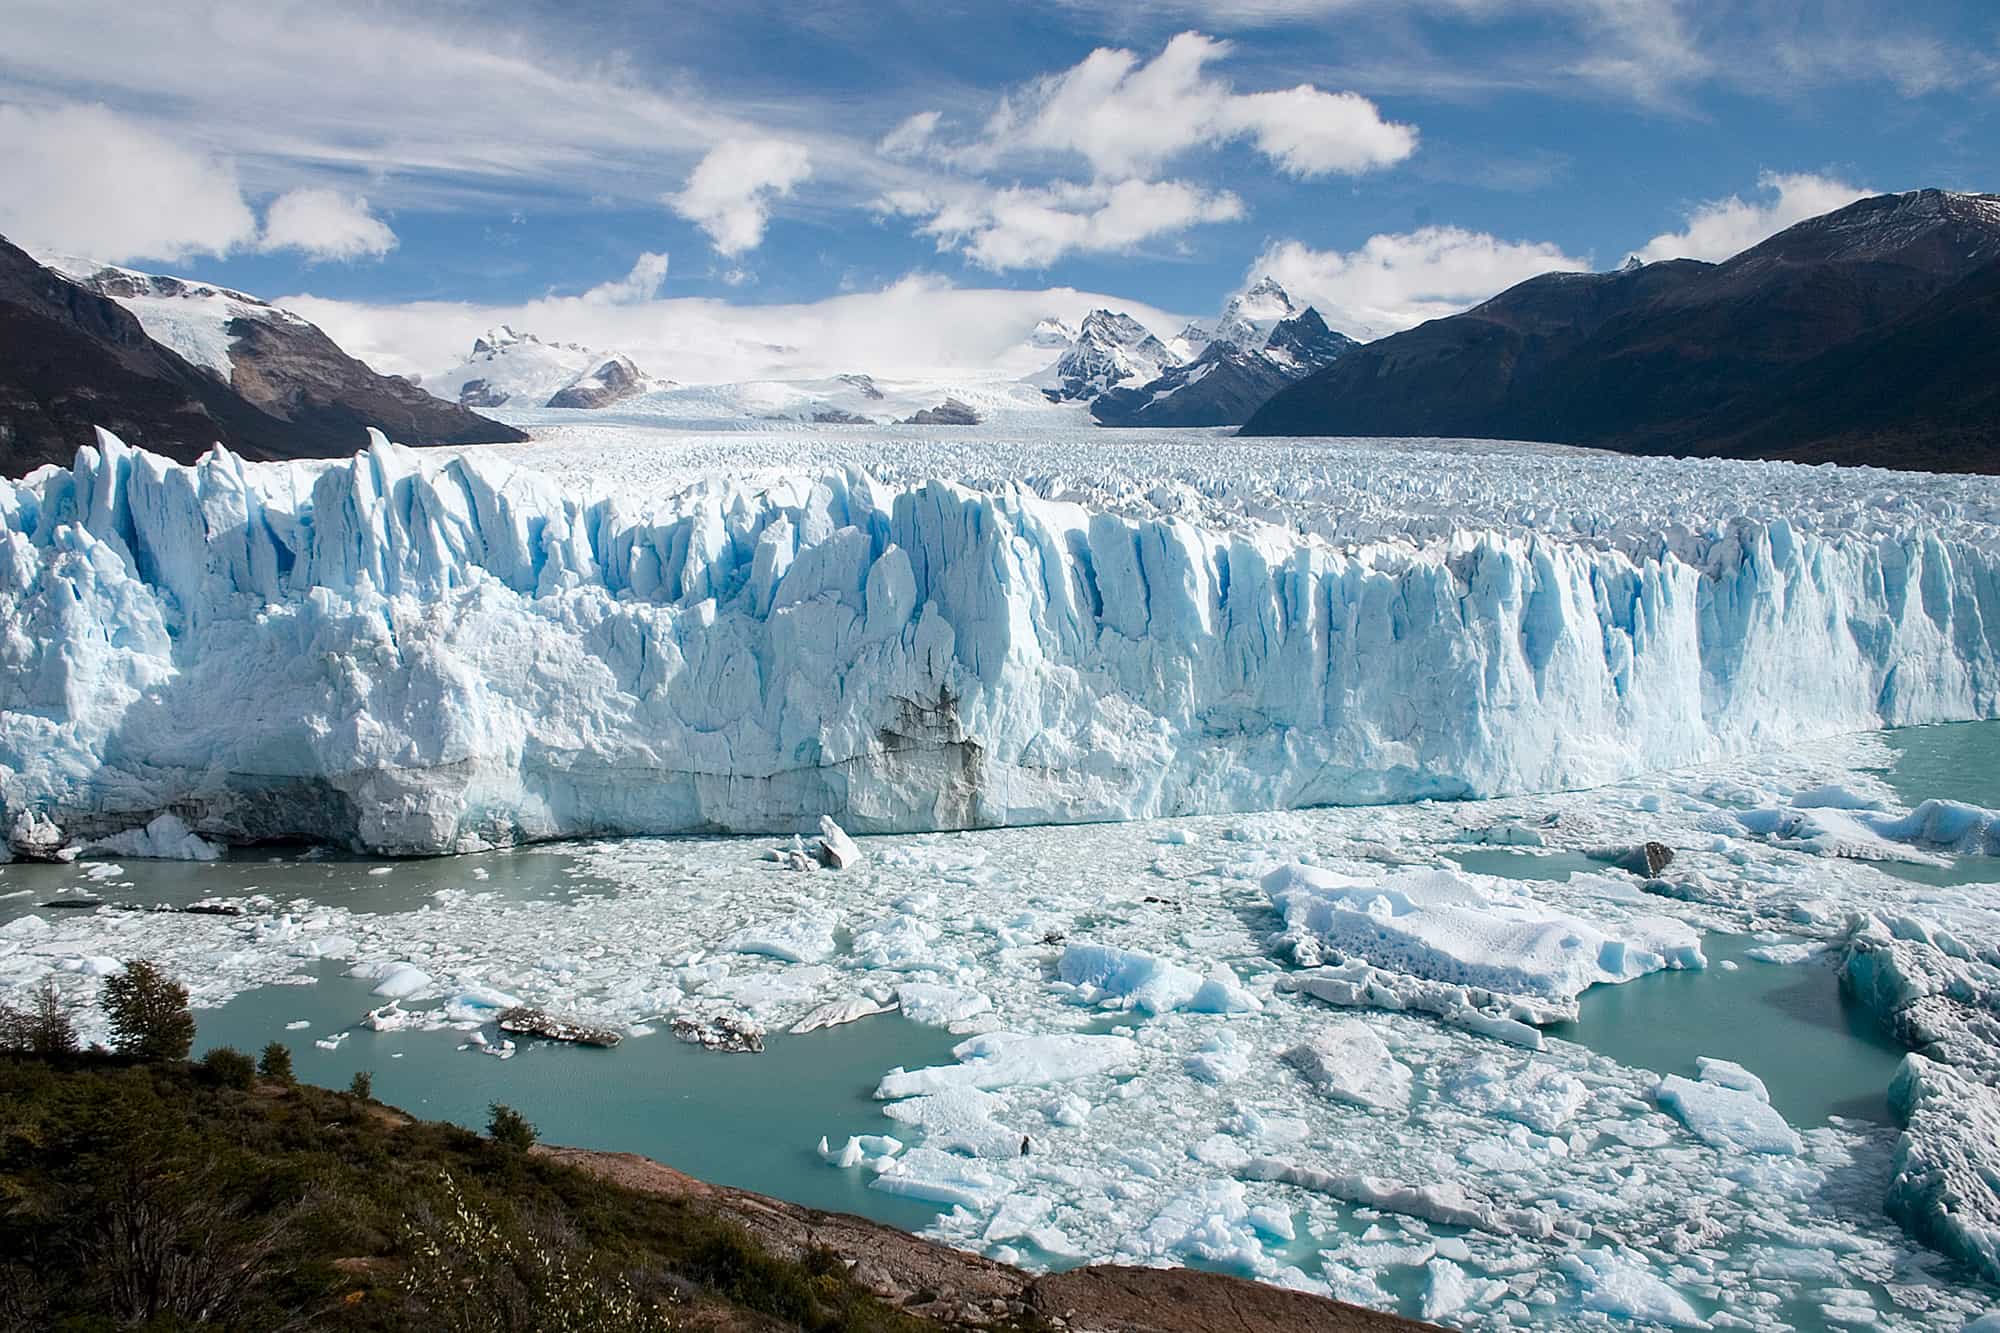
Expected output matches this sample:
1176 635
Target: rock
1646 860
611 381
528 1021
950 412
720 1032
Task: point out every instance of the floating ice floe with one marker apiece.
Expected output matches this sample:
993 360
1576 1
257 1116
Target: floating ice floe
1728 1108
1471 931
1012 1059
1349 1063
1929 835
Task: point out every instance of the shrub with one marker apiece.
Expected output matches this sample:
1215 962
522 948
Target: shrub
149 1013
227 1067
276 1063
363 1085
44 1028
467 1270
509 1128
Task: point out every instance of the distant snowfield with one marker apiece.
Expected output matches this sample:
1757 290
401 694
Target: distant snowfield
629 629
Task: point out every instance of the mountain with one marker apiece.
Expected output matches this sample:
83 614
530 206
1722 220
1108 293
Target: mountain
1250 316
104 347
1109 349
1812 345
1248 360
511 369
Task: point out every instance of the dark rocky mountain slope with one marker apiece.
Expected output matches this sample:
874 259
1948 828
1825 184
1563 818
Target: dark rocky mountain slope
1867 335
72 357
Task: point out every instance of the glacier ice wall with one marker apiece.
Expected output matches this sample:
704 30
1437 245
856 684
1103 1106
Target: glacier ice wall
409 656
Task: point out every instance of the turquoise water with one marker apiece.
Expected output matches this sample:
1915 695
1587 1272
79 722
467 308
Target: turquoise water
746 1120
523 875
1515 863
1957 761
1788 1025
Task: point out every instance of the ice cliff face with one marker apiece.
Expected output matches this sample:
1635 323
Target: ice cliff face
408 656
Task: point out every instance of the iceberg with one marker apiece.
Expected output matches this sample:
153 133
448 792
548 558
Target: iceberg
415 654
1468 931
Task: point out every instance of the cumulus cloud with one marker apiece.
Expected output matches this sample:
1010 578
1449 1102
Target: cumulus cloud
85 180
1397 281
918 326
1724 227
730 191
1032 227
643 283
1128 117
325 224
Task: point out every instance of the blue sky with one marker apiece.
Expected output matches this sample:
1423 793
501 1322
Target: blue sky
1391 160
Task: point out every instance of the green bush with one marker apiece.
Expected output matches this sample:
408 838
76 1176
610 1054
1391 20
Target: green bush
509 1128
149 1013
276 1063
363 1085
227 1067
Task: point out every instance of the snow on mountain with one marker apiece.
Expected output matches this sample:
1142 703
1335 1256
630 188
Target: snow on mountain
1110 349
508 368
1051 333
1190 342
853 399
1251 315
407 654
1228 381
191 318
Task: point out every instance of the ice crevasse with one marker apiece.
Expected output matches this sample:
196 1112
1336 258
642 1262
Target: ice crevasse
410 654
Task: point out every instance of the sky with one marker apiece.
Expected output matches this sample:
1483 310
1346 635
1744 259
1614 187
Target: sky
744 187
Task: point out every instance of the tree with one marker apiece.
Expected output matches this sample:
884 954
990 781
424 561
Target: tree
509 1128
44 1028
363 1085
149 1013
276 1063
228 1067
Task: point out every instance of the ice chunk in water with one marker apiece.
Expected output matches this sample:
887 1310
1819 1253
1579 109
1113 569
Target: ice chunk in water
1349 1063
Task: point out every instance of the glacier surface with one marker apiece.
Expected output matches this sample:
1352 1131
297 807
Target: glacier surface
416 654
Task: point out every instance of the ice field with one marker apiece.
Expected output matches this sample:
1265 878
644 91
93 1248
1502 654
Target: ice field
649 633
1453 1057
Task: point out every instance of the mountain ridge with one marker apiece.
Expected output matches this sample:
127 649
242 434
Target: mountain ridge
1679 356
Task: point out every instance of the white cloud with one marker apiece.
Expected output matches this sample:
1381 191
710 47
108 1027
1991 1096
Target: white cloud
912 137
84 180
1033 226
730 192
1128 118
917 326
1397 281
325 224
643 283
1724 227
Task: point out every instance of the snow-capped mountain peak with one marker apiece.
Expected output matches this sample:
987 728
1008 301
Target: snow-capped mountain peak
512 368
1051 333
1110 348
1250 316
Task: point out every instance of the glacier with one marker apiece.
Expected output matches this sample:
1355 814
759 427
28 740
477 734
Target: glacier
418 654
